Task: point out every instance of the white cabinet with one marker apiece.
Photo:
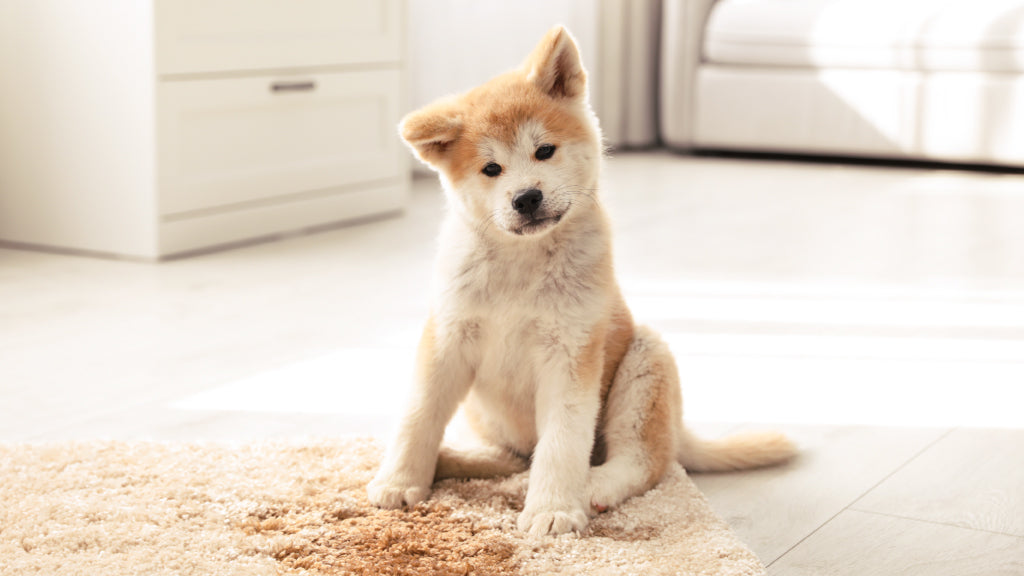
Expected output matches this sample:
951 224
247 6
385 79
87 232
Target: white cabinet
153 130
231 140
223 35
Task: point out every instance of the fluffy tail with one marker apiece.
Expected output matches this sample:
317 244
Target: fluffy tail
736 452
484 462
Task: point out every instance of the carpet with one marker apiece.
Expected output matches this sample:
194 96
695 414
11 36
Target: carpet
117 508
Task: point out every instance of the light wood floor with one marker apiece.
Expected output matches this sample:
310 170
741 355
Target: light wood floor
875 314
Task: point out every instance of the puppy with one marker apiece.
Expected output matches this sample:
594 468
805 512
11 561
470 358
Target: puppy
528 329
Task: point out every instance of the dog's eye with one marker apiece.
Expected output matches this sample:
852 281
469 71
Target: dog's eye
544 152
492 170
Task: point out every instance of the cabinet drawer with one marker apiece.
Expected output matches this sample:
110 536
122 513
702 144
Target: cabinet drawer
230 141
194 36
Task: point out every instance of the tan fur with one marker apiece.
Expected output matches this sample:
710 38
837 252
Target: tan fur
620 334
529 330
426 351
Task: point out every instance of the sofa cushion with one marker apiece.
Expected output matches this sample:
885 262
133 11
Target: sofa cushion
947 35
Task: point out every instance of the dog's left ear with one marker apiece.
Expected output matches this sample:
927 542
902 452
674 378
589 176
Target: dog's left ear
555 66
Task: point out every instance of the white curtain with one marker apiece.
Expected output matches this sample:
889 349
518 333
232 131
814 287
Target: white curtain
628 58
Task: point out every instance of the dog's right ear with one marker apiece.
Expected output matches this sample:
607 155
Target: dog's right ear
431 131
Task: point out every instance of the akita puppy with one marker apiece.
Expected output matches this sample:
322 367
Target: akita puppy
529 330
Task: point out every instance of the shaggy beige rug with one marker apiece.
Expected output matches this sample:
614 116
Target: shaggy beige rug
273 508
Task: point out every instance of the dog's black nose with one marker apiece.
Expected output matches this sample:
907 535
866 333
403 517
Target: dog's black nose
527 201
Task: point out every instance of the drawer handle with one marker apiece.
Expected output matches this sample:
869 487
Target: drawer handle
293 86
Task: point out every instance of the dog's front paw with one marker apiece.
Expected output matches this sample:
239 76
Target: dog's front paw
391 493
550 521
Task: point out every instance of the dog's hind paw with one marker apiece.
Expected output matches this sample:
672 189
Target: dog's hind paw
609 485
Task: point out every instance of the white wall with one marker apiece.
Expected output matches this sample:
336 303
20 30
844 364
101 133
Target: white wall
456 44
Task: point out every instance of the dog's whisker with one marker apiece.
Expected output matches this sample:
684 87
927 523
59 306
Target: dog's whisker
481 228
574 190
588 195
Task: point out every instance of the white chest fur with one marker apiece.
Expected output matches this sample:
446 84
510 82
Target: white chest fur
522 310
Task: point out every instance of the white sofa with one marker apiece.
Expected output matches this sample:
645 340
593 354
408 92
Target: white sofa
935 80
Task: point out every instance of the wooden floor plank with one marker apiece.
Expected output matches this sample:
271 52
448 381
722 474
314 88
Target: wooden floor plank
865 544
775 508
971 478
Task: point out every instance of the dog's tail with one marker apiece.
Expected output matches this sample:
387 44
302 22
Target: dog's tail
484 462
736 452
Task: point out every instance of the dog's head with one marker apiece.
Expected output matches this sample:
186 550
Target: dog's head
521 153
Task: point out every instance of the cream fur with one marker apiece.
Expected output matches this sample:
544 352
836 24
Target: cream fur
528 330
